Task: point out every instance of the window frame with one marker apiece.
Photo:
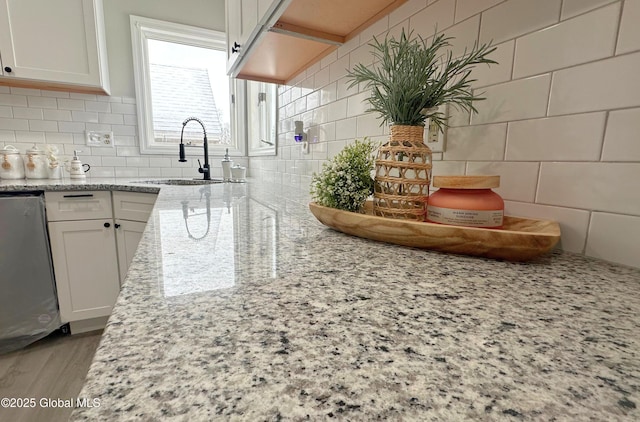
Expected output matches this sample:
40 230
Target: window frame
144 28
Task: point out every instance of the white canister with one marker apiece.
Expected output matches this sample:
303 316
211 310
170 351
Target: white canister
238 173
11 164
36 164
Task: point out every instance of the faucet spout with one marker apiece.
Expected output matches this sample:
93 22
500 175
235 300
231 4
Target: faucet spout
206 170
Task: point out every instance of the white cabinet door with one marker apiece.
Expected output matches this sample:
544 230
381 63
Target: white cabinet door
53 41
86 267
128 235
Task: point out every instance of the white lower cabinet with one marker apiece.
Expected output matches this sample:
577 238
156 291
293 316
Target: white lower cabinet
92 249
86 267
128 235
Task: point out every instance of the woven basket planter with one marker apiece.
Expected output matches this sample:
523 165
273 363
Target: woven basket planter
403 173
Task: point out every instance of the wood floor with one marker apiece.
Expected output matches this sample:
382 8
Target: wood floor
52 368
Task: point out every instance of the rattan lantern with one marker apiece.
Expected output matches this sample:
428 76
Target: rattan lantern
403 174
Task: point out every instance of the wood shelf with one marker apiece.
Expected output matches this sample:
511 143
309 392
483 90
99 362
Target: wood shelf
307 31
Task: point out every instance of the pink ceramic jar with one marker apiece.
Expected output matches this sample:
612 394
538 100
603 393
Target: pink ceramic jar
466 201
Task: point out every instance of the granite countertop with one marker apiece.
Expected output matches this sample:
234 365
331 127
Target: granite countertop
252 310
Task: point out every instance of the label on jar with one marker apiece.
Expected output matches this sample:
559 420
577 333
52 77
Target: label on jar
469 218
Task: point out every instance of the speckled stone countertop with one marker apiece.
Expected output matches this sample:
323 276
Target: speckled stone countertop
251 310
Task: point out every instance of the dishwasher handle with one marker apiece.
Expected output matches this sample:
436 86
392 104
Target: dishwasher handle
80 195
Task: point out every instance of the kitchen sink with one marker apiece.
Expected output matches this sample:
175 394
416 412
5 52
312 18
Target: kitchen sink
180 182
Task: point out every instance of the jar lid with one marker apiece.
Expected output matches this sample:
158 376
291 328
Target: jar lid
10 149
466 182
35 150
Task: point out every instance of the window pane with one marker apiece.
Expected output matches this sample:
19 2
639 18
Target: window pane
188 81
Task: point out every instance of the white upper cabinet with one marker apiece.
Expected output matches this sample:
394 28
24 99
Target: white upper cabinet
289 35
55 44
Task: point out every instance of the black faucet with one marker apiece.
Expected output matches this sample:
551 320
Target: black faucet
202 169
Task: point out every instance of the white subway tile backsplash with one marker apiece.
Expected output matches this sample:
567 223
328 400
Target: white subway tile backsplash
622 137
344 89
338 109
58 138
101 107
127 151
375 30
130 119
495 73
347 47
112 119
70 104
614 238
5 111
436 16
80 96
25 91
572 8
138 161
13 124
629 37
71 127
514 18
346 128
126 172
467 8
149 172
58 115
405 11
5 89
328 59
97 126
123 108
463 36
357 104
610 187
556 47
102 172
517 180
321 78
479 143
602 85
566 138
27 113
313 100
43 126
515 100
84 116
448 168
7 137
368 125
129 100
30 137
54 94
14 100
114 161
573 223
338 69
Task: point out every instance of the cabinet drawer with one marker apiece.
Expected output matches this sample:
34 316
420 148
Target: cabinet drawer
133 205
78 205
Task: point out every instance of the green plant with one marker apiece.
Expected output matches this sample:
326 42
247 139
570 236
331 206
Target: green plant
345 181
411 78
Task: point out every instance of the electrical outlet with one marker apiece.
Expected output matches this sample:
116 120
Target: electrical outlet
99 138
435 138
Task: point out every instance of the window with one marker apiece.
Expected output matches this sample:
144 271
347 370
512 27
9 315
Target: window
262 117
180 72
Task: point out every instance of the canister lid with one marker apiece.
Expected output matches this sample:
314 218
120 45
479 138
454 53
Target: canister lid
35 150
10 149
466 182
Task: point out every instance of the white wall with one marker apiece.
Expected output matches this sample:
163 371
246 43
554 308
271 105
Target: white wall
29 116
561 123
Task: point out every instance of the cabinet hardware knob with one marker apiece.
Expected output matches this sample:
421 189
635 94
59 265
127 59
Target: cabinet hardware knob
117 226
107 225
7 69
236 47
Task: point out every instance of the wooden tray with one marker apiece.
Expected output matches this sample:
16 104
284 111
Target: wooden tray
520 239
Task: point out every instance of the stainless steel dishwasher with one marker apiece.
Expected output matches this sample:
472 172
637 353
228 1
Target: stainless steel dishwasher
28 300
